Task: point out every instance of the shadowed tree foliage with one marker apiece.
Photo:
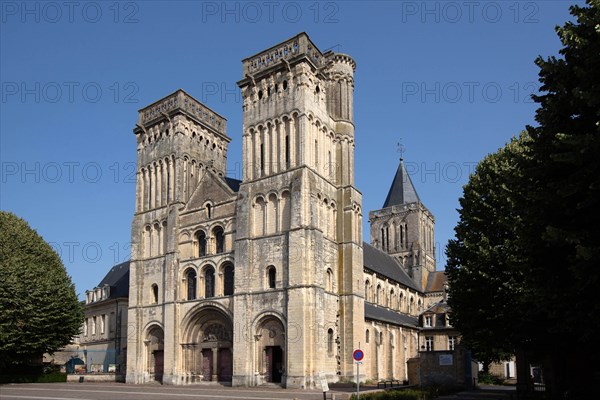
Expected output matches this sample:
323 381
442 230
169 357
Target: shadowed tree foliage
562 234
527 246
39 310
484 267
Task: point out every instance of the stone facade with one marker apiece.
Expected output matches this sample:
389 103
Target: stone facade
447 368
264 279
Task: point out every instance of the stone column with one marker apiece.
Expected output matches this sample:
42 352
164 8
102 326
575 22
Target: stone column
141 189
351 163
178 179
158 183
281 147
151 186
268 144
245 156
215 371
185 177
172 178
274 147
256 159
302 138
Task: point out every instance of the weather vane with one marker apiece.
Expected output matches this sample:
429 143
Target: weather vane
401 149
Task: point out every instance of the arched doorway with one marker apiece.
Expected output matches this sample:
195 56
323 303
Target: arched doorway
207 351
155 352
270 349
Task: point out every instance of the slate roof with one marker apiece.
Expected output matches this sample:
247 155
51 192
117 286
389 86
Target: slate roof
118 280
234 184
376 313
436 282
386 265
438 308
402 190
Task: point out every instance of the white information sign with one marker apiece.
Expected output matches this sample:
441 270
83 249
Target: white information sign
446 359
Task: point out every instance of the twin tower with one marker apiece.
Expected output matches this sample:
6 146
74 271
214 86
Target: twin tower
258 280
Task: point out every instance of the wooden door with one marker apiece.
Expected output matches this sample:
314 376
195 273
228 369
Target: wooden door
159 362
269 363
277 360
225 365
207 363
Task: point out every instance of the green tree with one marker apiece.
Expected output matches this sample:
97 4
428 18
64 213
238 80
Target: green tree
529 229
562 229
39 310
484 264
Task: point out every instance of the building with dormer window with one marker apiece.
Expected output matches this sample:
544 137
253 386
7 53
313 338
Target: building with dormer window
102 344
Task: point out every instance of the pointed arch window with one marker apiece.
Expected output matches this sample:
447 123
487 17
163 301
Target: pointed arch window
330 341
154 293
271 277
262 159
201 239
228 275
387 238
329 283
209 282
190 277
287 151
219 240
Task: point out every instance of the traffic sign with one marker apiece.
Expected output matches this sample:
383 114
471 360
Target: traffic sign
358 355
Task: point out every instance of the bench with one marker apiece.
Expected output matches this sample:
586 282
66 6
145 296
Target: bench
391 382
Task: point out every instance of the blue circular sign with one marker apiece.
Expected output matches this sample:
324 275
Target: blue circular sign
358 355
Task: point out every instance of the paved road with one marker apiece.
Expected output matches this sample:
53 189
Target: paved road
119 391
115 391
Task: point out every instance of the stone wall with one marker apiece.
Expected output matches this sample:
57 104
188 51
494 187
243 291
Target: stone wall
447 368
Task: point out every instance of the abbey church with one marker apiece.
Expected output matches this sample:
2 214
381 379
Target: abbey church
268 279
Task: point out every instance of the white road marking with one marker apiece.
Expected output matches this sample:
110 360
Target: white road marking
194 388
40 398
210 396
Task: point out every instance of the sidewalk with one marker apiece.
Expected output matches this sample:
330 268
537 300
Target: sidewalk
485 392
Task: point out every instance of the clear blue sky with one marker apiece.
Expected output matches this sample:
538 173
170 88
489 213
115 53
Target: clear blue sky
451 80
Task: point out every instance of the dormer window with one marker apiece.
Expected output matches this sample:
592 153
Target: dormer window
441 320
427 321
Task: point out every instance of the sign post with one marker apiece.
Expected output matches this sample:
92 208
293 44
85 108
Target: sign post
324 385
358 355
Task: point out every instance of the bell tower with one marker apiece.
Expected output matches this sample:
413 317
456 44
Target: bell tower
404 228
178 138
298 239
